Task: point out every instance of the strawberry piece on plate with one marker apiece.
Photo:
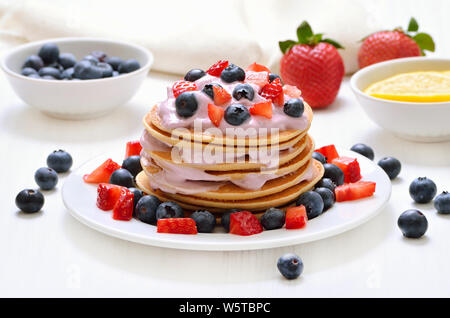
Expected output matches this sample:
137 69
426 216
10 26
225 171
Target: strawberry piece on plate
296 217
123 209
292 91
216 69
262 109
215 113
133 149
102 173
180 87
257 68
107 196
244 223
258 78
329 152
221 96
354 191
272 90
176 226
350 167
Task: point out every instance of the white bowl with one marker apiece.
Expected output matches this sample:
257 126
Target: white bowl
425 122
79 99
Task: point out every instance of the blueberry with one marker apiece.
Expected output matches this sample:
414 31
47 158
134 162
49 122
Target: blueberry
412 223
56 65
294 107
290 266
204 220
34 75
46 178
68 73
115 73
132 164
107 70
27 71
146 209
326 183
169 209
60 161
194 75
129 66
137 195
273 219
48 77
208 89
334 173
33 61
232 73
30 201
391 166
327 197
225 219
51 71
244 91
319 157
122 177
313 203
442 203
186 104
273 76
91 59
99 55
422 190
86 70
114 61
236 114
67 60
364 150
49 53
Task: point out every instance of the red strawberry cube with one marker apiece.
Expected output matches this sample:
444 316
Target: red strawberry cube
329 152
354 191
133 148
216 69
215 114
292 91
257 68
272 90
350 167
102 173
262 109
296 217
258 78
180 87
176 226
107 196
123 209
244 223
221 96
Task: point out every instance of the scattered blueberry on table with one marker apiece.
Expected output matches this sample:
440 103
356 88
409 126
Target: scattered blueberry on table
50 64
364 150
30 201
290 266
46 178
422 190
412 223
60 161
391 166
442 203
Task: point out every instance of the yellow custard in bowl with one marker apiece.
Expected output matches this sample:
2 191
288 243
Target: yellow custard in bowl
416 87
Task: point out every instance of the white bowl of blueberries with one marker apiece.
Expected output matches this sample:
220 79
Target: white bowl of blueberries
76 78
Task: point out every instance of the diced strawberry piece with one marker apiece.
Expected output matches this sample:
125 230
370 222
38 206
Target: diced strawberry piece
354 191
133 149
292 91
257 68
262 109
217 68
176 226
258 78
279 100
244 223
272 90
180 87
296 217
350 167
221 96
107 195
215 114
123 209
329 152
102 173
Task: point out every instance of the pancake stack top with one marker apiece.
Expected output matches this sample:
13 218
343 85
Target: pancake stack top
229 139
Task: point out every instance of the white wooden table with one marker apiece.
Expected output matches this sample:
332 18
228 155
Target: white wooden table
52 254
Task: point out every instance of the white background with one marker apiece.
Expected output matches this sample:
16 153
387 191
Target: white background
51 254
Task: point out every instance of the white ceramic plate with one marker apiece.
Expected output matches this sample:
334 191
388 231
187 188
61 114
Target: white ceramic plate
80 200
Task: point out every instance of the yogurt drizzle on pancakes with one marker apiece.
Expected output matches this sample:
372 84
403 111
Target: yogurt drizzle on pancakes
201 164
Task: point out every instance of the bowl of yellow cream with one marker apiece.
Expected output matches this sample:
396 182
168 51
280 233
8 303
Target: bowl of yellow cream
409 97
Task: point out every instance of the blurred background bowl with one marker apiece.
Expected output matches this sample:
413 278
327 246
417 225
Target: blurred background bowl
424 122
77 99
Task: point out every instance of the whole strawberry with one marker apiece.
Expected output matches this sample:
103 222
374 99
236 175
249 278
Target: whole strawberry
388 45
314 65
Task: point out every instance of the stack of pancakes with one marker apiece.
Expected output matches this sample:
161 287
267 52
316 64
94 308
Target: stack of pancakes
244 184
